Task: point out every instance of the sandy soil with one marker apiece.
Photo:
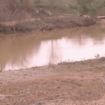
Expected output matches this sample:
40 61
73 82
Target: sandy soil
77 83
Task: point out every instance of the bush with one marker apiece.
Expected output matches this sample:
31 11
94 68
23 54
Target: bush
28 4
13 4
92 7
10 9
23 4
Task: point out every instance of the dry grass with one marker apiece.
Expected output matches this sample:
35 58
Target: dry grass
92 7
28 4
9 9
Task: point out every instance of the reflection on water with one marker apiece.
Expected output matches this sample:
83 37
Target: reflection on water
37 49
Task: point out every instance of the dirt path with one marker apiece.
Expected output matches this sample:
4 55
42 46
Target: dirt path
78 83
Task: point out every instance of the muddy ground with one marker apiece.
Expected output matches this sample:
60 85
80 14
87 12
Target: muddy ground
76 83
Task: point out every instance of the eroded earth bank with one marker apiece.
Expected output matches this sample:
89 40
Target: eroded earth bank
41 18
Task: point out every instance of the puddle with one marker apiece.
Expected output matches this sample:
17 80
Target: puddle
43 48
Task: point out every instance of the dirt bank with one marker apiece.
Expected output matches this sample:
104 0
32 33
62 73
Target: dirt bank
42 17
46 23
23 15
77 83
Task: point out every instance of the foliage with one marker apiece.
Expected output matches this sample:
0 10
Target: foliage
92 7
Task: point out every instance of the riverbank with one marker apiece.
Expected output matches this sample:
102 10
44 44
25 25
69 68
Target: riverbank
46 23
20 16
73 83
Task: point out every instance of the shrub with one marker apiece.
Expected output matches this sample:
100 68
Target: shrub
13 4
23 4
92 7
28 4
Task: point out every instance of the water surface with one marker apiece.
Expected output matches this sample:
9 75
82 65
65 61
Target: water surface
43 48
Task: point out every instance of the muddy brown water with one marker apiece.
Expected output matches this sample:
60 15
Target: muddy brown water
48 47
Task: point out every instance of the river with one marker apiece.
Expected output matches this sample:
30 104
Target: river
51 47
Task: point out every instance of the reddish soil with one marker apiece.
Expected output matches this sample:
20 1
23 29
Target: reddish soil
45 21
78 83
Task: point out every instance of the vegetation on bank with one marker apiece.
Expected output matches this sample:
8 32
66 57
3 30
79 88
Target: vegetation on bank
91 7
10 9
24 15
